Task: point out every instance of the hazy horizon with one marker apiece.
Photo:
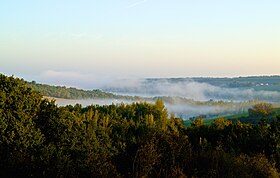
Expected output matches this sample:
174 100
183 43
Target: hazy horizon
89 82
55 41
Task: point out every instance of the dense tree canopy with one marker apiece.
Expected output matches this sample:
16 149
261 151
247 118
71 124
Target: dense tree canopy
261 110
40 139
68 93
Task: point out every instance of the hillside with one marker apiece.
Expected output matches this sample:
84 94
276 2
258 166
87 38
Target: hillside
40 139
242 116
267 83
183 107
69 93
264 88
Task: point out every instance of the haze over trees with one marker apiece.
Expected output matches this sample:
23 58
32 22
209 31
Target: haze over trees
183 107
40 139
68 93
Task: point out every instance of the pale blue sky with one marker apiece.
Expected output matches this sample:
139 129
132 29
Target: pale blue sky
139 38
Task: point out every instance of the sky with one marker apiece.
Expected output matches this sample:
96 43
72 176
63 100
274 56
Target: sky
71 42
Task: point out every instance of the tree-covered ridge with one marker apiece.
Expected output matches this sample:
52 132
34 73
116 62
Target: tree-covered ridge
73 93
218 107
267 83
40 139
258 83
69 93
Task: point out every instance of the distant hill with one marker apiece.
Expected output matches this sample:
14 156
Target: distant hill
183 107
265 88
69 93
267 83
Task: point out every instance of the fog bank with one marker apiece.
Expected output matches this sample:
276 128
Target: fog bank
184 110
188 89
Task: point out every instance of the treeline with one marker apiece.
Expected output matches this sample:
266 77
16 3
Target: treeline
224 107
74 93
236 82
40 139
69 93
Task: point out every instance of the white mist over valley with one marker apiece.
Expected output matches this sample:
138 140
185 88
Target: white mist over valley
190 97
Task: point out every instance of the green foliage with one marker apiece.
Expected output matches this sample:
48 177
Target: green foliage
220 123
40 139
69 93
261 110
198 122
256 166
20 140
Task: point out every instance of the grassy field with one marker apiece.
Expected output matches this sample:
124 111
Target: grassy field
234 117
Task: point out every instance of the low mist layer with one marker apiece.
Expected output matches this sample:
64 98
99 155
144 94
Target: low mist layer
181 107
189 89
187 97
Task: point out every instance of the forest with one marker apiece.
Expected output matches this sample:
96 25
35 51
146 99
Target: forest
183 107
68 93
268 83
41 139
